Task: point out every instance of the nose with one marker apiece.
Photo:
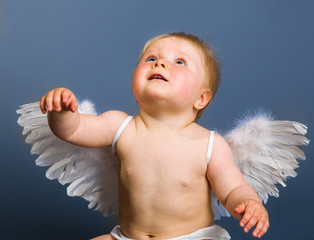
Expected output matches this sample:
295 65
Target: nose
160 63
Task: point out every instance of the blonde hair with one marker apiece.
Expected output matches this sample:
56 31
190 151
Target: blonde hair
212 72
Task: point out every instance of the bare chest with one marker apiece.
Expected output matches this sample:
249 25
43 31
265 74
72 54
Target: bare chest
175 161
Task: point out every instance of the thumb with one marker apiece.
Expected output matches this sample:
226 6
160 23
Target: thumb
240 209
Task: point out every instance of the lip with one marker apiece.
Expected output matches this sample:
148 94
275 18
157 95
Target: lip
157 76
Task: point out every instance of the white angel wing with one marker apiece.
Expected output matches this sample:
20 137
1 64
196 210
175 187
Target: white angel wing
266 152
91 173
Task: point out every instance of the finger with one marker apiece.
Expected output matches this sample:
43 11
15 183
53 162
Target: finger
246 220
57 99
49 101
260 226
264 230
239 209
69 100
248 213
42 104
66 96
73 106
252 221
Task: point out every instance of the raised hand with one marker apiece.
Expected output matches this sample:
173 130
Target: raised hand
59 99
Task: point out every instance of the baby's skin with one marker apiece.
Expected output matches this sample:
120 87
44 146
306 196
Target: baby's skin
165 182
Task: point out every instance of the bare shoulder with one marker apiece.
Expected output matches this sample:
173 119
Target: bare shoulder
220 145
114 117
199 130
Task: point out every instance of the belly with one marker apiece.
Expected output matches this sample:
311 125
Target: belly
163 204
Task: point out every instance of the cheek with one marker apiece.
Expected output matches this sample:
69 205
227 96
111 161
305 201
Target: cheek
137 73
188 86
137 78
185 90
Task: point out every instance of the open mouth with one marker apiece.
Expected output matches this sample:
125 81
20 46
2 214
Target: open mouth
157 77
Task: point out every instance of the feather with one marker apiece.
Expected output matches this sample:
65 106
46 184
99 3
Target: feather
91 173
266 152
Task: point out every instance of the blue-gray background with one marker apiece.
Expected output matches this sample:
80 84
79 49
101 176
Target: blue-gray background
266 50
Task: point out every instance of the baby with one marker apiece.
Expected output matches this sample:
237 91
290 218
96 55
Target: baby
168 164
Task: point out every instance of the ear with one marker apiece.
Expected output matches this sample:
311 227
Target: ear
204 99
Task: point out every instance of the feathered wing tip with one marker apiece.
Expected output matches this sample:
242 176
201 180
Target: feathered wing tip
90 172
266 151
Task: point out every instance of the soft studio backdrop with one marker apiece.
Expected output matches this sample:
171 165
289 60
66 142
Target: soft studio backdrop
266 50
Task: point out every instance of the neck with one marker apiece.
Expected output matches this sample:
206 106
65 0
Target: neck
166 120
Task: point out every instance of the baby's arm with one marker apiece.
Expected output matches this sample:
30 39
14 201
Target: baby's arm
80 129
241 200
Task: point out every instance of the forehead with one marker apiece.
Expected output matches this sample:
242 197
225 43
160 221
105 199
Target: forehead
175 45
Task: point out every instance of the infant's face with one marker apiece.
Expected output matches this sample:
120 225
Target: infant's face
170 69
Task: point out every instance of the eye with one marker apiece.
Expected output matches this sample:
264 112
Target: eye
180 62
151 59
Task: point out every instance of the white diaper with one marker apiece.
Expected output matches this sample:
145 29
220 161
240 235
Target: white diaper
213 232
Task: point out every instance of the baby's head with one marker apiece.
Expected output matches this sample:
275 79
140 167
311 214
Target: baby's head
212 74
